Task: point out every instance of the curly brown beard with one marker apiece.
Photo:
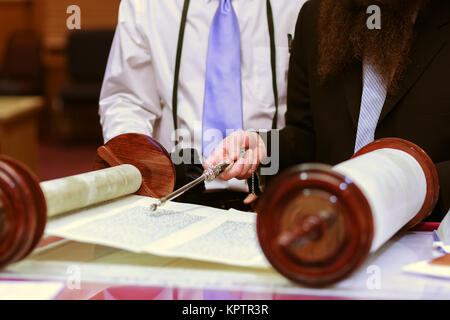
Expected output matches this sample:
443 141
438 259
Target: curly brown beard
344 36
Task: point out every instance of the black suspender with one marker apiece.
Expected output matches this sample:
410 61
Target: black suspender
180 50
177 66
273 61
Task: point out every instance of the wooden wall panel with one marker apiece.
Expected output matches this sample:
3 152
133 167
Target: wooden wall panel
14 15
48 18
52 16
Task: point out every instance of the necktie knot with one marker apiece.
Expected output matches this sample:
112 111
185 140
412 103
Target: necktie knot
225 5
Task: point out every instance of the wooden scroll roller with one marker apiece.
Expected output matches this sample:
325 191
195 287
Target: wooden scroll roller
317 224
130 163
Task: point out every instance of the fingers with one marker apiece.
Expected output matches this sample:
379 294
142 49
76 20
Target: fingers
243 168
252 163
246 166
232 171
250 198
230 149
238 169
218 155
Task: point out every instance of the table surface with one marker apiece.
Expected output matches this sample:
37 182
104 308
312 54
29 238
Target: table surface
97 272
12 107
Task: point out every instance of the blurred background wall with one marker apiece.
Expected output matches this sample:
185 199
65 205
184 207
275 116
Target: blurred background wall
50 79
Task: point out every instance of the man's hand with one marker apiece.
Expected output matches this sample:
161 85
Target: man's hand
230 148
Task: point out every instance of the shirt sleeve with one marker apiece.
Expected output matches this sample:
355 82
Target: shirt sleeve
129 101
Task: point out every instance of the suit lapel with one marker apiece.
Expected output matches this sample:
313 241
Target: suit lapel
352 81
429 41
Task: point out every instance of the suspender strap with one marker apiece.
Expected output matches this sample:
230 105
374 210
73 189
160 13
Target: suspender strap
177 67
273 60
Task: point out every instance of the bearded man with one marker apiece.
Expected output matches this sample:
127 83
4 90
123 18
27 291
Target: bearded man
349 85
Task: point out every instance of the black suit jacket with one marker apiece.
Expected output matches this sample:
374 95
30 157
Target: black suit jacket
321 120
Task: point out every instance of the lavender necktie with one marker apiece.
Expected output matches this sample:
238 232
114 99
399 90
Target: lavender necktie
222 109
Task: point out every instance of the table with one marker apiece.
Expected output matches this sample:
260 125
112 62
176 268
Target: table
19 128
97 272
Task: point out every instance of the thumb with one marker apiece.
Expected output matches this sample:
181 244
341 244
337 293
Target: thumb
250 198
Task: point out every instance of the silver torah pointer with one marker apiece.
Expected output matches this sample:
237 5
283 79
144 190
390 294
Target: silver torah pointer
208 175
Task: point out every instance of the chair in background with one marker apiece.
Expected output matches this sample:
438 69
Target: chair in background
22 71
76 112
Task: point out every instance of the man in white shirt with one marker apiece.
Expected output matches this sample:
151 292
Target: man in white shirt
159 42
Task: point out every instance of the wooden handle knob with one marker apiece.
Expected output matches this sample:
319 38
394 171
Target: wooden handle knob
23 211
316 224
152 160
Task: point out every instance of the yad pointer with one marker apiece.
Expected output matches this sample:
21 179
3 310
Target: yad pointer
208 175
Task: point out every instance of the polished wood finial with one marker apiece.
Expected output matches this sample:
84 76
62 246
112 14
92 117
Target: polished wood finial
23 211
146 154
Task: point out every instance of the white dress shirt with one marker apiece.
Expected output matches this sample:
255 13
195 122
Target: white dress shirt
136 95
